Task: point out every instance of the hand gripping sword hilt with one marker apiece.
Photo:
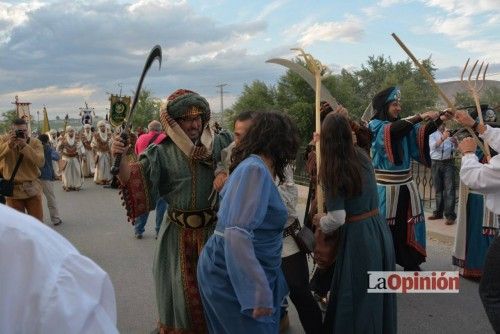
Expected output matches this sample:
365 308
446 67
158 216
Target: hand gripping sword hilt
115 169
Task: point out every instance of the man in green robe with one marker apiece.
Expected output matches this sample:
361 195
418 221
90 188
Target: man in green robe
181 170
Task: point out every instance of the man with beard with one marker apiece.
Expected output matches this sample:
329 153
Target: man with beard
101 144
181 170
395 143
89 162
72 152
18 149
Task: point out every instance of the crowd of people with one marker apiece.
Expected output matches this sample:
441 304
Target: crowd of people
228 255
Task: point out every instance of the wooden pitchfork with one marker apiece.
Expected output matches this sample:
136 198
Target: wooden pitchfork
318 70
474 86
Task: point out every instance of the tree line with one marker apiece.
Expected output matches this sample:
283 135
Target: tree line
354 90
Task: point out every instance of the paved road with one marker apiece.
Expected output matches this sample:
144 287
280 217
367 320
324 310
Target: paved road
95 223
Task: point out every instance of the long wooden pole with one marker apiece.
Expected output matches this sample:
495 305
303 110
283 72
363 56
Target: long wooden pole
319 189
429 78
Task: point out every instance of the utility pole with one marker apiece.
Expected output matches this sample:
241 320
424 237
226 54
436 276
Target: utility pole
221 86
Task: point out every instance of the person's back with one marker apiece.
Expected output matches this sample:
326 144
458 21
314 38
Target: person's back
47 171
368 199
147 139
47 286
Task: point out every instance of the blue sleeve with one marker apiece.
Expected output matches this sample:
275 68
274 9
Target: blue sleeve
381 150
245 205
418 143
334 203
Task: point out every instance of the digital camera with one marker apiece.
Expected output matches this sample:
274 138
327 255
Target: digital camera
19 133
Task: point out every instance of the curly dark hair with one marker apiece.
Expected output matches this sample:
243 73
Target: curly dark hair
272 134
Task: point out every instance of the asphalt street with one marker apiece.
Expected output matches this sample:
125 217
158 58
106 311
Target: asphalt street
95 222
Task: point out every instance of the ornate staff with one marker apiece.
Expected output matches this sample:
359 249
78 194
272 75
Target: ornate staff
429 78
153 55
315 67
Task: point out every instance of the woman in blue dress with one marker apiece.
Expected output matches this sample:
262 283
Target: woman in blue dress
239 276
364 243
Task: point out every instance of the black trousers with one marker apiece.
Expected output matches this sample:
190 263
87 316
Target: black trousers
489 288
296 273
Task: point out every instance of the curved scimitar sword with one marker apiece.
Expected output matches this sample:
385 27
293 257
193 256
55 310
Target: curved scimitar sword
308 77
155 54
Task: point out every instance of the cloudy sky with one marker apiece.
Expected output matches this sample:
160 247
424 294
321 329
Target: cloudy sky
63 53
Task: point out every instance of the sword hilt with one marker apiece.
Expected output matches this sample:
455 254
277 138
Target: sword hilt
115 169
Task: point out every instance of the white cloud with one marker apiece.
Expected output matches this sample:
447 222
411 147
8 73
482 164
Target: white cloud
493 20
388 3
350 30
270 8
487 49
372 12
457 27
465 7
101 43
468 23
12 16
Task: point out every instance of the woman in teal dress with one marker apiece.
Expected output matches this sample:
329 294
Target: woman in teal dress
365 242
239 275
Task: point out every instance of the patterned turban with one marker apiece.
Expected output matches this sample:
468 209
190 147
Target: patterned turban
186 103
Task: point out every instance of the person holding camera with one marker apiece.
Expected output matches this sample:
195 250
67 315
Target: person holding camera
442 146
17 148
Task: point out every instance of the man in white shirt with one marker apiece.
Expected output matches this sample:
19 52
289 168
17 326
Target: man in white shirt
485 178
442 146
46 285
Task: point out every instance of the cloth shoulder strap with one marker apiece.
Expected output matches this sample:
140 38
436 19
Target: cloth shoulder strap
21 156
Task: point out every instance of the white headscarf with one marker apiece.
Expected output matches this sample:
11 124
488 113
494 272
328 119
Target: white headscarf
87 134
70 141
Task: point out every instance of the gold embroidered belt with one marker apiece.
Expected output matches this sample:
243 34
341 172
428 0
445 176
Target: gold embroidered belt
192 219
70 155
389 177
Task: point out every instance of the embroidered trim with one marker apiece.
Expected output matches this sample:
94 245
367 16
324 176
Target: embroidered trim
135 194
422 143
387 142
465 272
490 231
410 233
193 170
87 143
102 146
190 243
68 150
